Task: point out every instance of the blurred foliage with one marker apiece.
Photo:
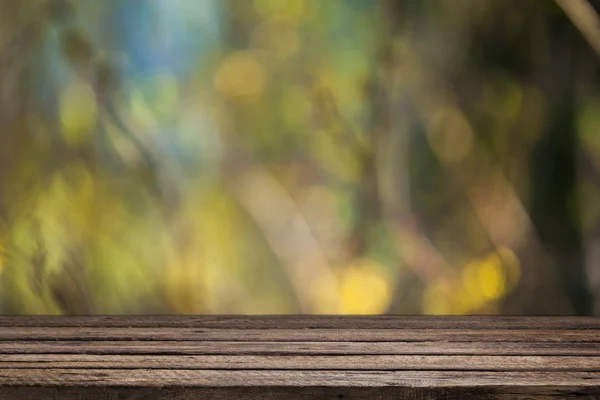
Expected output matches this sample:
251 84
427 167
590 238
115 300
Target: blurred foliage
297 156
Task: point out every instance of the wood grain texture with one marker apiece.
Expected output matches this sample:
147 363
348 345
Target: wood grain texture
285 335
276 357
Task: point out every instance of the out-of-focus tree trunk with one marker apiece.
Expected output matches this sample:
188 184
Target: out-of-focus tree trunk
553 179
585 86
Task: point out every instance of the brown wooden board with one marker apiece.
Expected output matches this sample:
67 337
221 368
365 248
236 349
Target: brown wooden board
287 357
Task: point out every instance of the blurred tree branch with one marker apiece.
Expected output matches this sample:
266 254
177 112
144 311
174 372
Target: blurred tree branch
584 17
282 223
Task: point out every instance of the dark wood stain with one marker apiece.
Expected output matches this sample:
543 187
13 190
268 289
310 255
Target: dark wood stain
296 357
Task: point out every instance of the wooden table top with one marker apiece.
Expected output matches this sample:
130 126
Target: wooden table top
287 357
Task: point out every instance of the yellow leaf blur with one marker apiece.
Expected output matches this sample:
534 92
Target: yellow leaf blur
78 112
491 278
485 280
365 289
241 76
472 287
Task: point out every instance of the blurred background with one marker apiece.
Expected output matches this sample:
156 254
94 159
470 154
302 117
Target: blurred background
299 156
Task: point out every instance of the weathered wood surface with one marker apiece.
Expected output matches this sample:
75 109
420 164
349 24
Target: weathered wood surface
227 357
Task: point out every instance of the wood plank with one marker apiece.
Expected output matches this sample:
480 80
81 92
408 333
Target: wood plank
307 322
299 392
342 335
298 348
312 362
245 378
